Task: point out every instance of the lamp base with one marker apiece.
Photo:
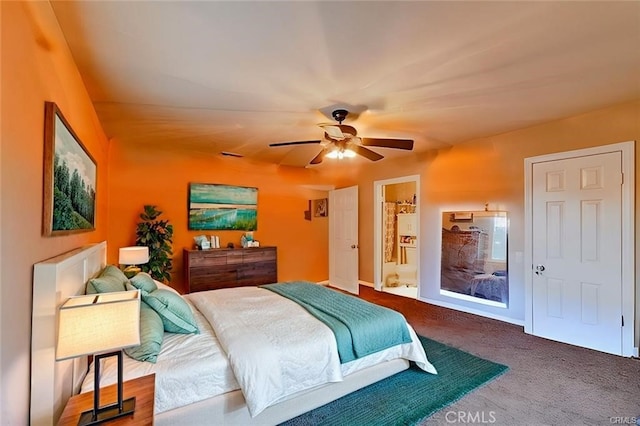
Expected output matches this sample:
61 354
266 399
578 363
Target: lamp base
131 271
108 413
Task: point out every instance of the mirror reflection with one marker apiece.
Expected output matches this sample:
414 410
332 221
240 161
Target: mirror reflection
474 255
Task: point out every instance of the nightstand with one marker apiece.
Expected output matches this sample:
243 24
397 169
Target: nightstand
143 388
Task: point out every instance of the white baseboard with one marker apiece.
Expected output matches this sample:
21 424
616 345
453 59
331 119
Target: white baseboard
462 308
473 311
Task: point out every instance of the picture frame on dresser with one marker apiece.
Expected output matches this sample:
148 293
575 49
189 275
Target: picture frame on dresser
70 178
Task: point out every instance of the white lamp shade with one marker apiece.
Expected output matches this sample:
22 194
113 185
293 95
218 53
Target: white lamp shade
98 323
136 255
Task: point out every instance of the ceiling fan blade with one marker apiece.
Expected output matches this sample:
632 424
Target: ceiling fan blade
318 158
293 143
333 131
389 143
367 153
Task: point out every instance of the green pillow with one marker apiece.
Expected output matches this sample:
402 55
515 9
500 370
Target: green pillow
110 279
143 281
175 313
151 336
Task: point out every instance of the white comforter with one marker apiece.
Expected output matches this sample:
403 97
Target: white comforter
276 348
194 367
190 368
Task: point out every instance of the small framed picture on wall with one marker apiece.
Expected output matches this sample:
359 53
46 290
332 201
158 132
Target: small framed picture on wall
321 207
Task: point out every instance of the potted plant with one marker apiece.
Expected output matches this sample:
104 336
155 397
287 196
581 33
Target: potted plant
157 235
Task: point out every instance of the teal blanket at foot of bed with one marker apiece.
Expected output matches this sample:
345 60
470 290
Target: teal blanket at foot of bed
361 328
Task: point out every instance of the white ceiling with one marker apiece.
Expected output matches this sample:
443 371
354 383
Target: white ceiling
214 76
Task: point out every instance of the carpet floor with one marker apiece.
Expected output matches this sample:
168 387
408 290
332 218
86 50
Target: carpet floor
548 383
410 396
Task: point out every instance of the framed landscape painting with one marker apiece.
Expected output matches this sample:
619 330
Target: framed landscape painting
222 207
70 177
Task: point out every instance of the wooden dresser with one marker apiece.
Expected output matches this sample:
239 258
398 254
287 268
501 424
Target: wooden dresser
225 267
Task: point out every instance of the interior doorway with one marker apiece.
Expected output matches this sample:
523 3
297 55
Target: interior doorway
397 236
343 239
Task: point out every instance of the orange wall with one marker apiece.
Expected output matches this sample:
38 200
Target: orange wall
36 67
161 178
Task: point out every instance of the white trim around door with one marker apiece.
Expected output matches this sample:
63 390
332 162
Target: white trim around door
378 200
627 149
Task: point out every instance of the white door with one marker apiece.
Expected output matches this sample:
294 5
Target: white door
343 239
576 251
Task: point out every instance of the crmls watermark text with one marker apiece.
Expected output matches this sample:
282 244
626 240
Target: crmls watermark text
619 420
471 417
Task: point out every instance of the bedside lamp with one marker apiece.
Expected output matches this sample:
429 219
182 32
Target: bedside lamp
100 325
132 256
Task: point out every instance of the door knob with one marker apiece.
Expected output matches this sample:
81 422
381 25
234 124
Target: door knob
539 269
354 246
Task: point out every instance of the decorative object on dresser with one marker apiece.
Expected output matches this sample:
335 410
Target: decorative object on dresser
142 387
101 324
202 242
247 240
70 178
131 257
223 268
156 234
222 207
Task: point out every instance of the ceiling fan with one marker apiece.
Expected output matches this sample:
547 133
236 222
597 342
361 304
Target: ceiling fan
341 140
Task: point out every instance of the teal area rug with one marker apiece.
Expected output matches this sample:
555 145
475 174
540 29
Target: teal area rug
410 396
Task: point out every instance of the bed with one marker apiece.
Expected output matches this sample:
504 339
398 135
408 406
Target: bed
218 386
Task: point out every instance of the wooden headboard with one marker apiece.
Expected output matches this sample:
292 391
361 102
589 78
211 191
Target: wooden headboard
54 281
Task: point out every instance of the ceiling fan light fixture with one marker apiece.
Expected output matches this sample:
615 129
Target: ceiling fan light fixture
340 154
349 154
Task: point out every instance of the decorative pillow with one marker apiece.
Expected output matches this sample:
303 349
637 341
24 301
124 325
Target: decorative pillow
175 313
151 336
110 279
143 281
163 286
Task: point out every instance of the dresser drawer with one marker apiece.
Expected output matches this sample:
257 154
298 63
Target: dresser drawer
259 255
223 268
210 278
206 258
258 273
